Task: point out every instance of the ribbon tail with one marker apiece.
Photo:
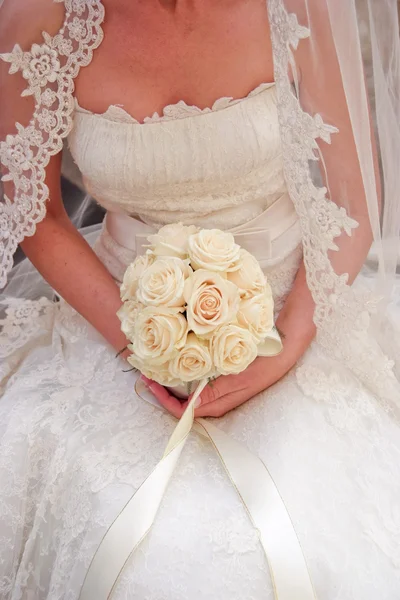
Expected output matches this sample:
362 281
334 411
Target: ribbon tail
136 518
267 511
257 490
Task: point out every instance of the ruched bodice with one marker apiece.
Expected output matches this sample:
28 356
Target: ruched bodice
218 167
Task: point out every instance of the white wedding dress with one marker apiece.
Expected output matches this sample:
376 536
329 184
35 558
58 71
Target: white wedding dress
76 441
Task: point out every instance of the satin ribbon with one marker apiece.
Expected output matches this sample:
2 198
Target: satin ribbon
256 488
260 236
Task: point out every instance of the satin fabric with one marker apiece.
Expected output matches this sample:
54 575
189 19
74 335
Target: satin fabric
262 236
256 488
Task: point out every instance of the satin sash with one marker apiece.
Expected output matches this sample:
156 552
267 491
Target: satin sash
255 486
262 236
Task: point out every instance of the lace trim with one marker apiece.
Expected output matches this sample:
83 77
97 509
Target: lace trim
49 69
342 314
21 321
179 110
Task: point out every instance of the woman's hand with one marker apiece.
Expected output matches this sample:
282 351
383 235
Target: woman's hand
227 392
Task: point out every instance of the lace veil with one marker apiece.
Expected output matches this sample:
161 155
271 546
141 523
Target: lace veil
340 142
341 149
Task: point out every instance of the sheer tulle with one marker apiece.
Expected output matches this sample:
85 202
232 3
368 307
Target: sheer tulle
325 120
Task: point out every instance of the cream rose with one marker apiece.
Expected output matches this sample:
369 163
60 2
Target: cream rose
127 314
132 274
249 276
172 240
159 334
160 373
162 283
211 301
214 250
232 349
257 314
193 362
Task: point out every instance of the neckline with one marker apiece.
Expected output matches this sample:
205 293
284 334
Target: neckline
178 110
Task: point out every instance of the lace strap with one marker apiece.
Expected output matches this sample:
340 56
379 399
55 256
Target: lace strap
49 69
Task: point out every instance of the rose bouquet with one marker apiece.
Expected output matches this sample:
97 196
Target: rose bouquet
196 305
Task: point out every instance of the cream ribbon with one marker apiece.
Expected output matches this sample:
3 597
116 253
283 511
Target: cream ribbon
255 486
266 236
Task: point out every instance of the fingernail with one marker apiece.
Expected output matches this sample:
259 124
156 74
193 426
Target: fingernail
197 402
147 382
150 384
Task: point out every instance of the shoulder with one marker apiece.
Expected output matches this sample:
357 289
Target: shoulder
23 22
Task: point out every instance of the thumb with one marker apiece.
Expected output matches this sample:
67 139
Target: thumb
208 394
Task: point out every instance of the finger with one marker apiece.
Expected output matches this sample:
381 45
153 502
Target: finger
223 386
221 406
219 387
169 402
216 388
209 394
197 403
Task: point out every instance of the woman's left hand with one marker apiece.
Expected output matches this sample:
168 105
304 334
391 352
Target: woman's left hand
227 392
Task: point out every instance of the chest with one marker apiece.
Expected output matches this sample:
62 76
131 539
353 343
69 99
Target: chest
152 58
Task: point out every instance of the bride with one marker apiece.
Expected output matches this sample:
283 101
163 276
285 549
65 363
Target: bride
250 116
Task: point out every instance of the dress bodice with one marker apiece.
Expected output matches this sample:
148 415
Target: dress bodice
216 167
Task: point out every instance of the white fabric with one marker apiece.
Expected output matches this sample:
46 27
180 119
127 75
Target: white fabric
260 236
255 488
76 441
170 170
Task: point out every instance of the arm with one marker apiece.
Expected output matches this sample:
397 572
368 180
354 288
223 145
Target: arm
71 267
57 250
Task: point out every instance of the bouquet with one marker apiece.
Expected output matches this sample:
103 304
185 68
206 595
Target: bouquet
195 306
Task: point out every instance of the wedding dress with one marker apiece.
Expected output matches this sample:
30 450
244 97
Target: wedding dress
76 441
